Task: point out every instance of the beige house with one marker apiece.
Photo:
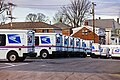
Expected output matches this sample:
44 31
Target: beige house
108 25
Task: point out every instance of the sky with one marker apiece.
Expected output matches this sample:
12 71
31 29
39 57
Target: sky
106 9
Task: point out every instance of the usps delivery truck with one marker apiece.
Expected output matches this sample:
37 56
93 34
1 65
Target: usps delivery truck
16 45
115 51
106 51
112 51
71 46
96 50
87 44
78 48
65 44
47 44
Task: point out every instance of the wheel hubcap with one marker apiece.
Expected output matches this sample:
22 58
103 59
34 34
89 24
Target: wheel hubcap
44 55
12 57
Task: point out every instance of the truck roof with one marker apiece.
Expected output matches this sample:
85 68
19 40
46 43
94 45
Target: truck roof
46 33
13 30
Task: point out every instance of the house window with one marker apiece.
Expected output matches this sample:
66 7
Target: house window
84 32
45 31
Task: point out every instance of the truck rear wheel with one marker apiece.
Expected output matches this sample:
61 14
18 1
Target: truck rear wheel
44 54
12 56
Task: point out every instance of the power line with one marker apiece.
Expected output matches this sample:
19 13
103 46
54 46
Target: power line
108 2
39 5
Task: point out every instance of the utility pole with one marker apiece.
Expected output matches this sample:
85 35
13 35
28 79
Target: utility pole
9 13
93 13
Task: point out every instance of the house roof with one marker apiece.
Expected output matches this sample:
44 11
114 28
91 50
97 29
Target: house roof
103 23
62 25
28 25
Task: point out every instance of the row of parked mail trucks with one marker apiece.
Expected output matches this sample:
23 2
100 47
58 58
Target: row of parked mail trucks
16 45
47 44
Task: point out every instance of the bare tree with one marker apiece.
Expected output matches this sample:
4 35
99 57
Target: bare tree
76 12
3 6
31 17
39 17
59 17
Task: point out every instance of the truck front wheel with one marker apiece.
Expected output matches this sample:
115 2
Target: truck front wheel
44 54
12 56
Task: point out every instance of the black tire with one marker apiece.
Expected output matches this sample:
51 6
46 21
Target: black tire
93 55
83 55
44 55
21 59
12 56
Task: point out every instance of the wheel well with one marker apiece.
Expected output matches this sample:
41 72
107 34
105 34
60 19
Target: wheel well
43 50
11 51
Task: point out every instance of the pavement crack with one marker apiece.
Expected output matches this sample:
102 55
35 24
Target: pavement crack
50 76
69 75
89 76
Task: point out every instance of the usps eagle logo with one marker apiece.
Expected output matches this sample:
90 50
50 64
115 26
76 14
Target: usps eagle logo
45 40
14 38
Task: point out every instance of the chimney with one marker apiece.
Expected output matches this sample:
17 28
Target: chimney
99 18
118 20
61 20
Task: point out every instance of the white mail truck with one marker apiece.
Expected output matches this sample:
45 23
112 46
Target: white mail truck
87 44
78 48
115 51
47 44
106 51
16 45
96 50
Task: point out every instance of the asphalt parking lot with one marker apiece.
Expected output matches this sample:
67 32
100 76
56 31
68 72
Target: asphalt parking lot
88 68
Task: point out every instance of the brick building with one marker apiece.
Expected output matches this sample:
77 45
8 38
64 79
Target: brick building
86 32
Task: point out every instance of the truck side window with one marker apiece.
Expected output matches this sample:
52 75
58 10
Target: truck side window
37 40
2 40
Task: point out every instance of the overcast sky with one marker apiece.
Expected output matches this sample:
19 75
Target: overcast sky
103 8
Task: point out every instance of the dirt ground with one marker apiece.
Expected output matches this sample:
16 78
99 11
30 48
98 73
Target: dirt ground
30 75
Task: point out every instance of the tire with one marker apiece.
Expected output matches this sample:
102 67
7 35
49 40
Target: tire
44 54
93 55
21 59
83 55
12 56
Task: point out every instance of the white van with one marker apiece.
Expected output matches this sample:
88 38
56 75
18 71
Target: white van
106 51
88 46
96 50
115 51
78 48
47 44
16 45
